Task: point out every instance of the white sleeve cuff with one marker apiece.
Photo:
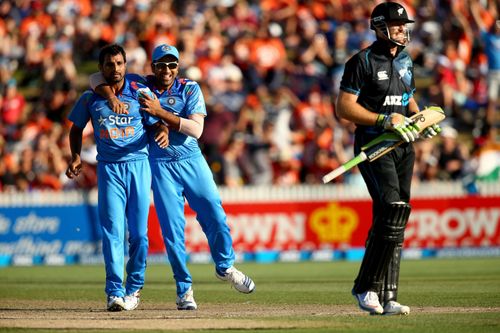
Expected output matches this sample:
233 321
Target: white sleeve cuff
96 79
192 126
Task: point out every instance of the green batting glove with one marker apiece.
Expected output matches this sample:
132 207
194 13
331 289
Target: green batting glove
399 124
431 131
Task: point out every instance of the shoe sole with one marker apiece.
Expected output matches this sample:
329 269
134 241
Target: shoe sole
372 311
396 313
187 308
246 292
135 307
115 308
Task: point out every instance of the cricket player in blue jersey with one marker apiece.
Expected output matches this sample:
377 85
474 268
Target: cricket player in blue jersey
124 175
181 172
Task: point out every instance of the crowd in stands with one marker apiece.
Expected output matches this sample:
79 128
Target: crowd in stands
270 72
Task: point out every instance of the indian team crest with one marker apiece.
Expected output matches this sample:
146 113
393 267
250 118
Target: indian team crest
170 101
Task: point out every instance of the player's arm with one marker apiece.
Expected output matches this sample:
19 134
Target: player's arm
191 126
100 86
348 108
75 144
413 107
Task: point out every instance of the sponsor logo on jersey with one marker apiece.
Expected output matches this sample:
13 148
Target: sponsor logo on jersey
397 100
382 75
116 133
121 131
117 120
101 120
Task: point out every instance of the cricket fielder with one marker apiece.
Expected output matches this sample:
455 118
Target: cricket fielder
377 91
180 172
124 175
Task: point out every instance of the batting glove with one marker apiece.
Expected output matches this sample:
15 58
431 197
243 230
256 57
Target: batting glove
431 131
399 124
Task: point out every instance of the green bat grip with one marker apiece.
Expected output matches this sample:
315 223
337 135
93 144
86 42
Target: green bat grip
344 167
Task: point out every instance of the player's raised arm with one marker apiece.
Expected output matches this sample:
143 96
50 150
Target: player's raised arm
100 86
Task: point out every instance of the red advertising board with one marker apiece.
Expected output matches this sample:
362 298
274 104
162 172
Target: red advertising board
435 223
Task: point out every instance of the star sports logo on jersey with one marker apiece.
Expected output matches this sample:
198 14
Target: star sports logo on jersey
123 129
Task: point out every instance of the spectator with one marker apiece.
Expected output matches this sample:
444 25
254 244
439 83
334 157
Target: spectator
12 110
450 155
260 64
490 37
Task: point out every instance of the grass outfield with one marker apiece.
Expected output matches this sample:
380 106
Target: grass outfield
445 295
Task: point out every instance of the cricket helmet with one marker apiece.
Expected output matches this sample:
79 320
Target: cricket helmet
389 12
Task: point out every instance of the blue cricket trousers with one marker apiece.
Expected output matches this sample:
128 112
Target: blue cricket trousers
190 178
123 199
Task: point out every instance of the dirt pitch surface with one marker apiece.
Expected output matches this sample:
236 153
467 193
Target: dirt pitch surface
92 315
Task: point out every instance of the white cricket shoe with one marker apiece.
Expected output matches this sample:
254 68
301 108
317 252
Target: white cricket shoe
394 308
240 281
368 301
186 302
132 301
115 303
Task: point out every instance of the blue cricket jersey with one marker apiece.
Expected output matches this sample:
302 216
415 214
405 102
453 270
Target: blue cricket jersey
183 99
118 137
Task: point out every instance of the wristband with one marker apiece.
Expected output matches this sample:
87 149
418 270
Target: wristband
381 118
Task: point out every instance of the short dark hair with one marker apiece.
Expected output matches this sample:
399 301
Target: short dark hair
111 49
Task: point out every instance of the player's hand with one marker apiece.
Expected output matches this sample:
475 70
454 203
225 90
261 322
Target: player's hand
150 105
74 167
161 136
401 125
117 106
431 131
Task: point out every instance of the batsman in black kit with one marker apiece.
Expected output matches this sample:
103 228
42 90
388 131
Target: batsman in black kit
376 94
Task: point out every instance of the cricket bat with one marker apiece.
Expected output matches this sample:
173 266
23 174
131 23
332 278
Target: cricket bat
386 142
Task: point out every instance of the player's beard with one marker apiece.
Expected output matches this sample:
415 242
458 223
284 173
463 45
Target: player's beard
400 38
115 78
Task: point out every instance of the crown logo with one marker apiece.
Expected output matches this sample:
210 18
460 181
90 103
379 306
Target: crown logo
334 224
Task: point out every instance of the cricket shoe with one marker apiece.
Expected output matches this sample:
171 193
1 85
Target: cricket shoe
186 302
132 301
240 281
368 301
394 308
115 303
